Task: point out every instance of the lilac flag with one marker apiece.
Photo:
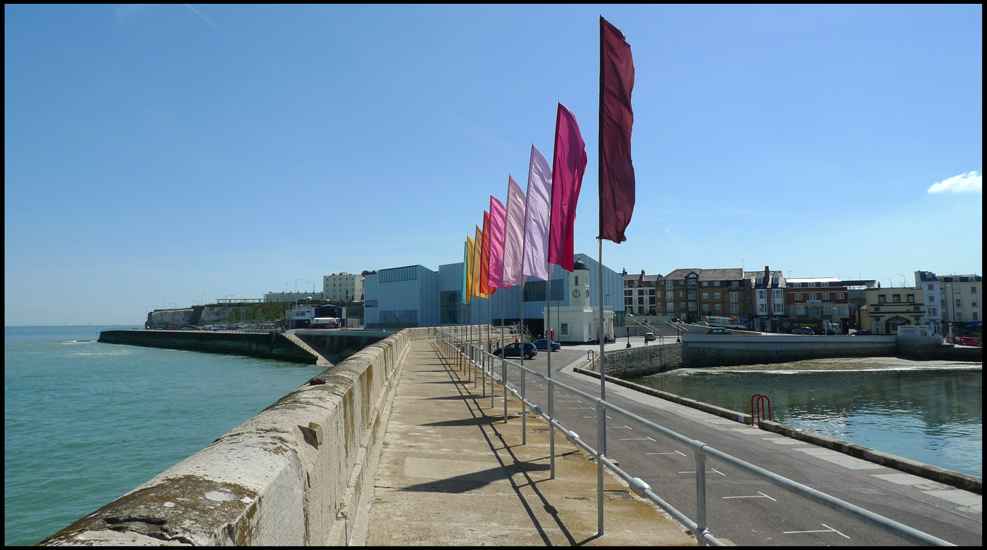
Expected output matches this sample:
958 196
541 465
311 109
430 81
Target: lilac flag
568 166
536 217
513 234
498 215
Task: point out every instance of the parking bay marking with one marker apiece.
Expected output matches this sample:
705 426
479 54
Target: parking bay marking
827 529
671 453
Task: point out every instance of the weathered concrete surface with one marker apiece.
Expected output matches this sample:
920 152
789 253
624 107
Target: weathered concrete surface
287 476
332 344
266 345
451 473
641 361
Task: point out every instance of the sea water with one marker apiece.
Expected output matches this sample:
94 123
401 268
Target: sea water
86 422
934 416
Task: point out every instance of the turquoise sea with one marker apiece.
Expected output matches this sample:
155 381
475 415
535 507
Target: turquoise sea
932 415
86 422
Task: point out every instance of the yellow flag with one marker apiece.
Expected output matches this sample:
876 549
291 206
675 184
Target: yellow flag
468 272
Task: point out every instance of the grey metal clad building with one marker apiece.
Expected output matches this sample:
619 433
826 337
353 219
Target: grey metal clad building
401 297
416 296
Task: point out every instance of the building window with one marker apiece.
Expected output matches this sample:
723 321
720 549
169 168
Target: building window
681 294
705 307
959 303
799 310
896 298
973 290
825 296
761 295
705 295
776 309
718 307
705 283
812 295
881 299
716 283
762 309
910 298
932 312
973 303
957 290
716 295
975 316
658 294
565 329
798 296
733 309
681 305
733 296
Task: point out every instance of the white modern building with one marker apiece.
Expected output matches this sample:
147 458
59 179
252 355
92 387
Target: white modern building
343 286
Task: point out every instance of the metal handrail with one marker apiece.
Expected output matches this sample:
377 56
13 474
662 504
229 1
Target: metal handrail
701 451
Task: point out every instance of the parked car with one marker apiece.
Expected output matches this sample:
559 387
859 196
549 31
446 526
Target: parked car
514 350
968 341
718 330
804 331
543 344
862 333
649 337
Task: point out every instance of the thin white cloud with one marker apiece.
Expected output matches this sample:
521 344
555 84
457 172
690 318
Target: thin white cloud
971 182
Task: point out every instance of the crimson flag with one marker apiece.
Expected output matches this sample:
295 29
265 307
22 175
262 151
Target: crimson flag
568 167
616 118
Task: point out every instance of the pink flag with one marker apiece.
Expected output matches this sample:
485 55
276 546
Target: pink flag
536 217
568 167
498 215
513 234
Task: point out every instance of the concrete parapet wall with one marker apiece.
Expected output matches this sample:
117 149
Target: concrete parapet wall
268 345
291 475
710 350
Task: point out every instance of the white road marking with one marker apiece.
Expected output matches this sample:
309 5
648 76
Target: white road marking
759 495
827 529
709 470
671 453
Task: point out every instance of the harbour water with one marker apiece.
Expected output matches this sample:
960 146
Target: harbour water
86 422
932 414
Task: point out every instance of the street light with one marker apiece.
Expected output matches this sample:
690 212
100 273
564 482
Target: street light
628 330
903 282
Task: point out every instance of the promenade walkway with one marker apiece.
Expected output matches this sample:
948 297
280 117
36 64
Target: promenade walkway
450 472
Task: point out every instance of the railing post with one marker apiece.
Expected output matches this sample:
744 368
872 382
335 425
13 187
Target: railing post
601 434
524 413
700 497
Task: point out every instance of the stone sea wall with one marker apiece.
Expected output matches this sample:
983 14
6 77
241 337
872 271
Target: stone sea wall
291 475
268 345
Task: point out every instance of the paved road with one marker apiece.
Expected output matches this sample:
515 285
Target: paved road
742 508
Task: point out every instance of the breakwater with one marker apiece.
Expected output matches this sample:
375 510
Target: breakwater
291 475
266 345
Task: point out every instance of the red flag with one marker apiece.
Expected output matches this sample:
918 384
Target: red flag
568 166
616 118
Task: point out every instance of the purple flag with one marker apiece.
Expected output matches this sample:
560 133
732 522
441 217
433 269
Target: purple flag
498 216
537 210
616 118
513 234
568 166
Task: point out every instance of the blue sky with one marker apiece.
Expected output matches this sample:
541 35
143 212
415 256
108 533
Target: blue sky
160 155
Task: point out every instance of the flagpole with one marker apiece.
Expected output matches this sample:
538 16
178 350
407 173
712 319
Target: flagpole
551 387
523 339
503 355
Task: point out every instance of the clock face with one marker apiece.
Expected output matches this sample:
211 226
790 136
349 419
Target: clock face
575 293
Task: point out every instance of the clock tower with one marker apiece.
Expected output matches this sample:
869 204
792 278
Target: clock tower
579 285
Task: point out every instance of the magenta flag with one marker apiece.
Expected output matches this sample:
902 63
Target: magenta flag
537 210
616 118
498 217
513 234
568 166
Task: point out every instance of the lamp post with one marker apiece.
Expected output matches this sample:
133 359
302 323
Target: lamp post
903 282
628 327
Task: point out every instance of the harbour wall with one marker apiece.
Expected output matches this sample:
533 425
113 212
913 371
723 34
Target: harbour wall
291 475
267 345
708 350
